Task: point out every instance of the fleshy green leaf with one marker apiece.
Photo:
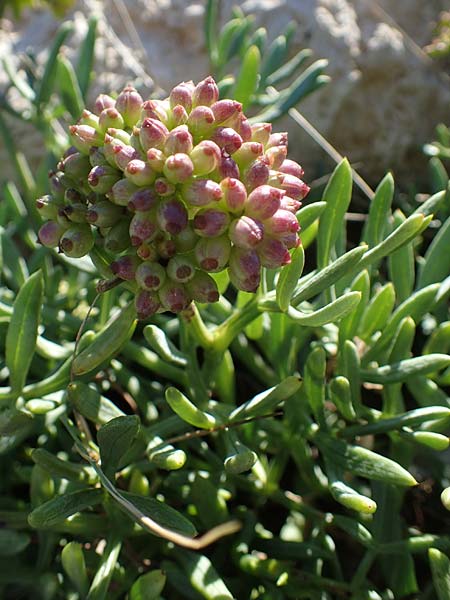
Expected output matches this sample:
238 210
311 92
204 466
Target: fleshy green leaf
114 439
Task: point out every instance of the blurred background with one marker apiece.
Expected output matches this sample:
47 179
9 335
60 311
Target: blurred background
388 63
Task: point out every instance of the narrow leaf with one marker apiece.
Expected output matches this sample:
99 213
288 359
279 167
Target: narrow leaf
114 439
59 508
379 211
288 278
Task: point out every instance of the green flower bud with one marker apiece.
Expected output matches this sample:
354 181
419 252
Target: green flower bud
77 241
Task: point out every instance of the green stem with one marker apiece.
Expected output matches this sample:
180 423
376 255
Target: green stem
362 570
151 361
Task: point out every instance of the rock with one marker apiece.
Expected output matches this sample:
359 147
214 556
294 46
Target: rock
382 104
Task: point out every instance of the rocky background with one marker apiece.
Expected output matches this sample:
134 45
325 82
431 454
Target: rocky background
384 101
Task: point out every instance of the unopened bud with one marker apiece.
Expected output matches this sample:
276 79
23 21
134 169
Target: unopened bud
122 191
123 154
261 132
88 118
263 202
178 168
276 155
155 109
163 187
226 112
77 241
84 136
146 303
247 153
50 233
200 192
282 221
234 194
119 134
147 252
104 214
97 158
227 139
185 240
152 134
142 200
212 254
139 172
76 212
200 121
129 103
277 139
143 228
182 94
174 296
178 116
273 253
246 232
205 93
244 128
125 266
227 167
103 101
180 269
110 117
150 276
257 174
156 159
287 203
118 238
290 167
101 179
203 288
178 140
172 216
166 248
76 166
210 222
205 157
48 207
244 269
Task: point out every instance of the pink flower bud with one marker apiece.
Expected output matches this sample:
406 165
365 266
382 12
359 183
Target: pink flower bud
50 233
125 266
155 109
129 103
178 140
276 155
108 149
178 168
205 93
263 202
227 139
277 139
172 216
143 200
201 121
282 221
244 128
244 269
200 192
234 194
152 134
119 134
102 179
180 268
293 186
203 288
178 116
227 112
211 222
164 187
147 304
110 117
227 167
261 132
290 204
84 136
143 228
246 232
257 174
123 154
273 253
77 240
205 157
150 276
182 94
104 214
156 159
103 101
122 191
247 153
212 254
290 167
140 172
174 297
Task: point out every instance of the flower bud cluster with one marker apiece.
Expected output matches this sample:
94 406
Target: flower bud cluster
174 190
